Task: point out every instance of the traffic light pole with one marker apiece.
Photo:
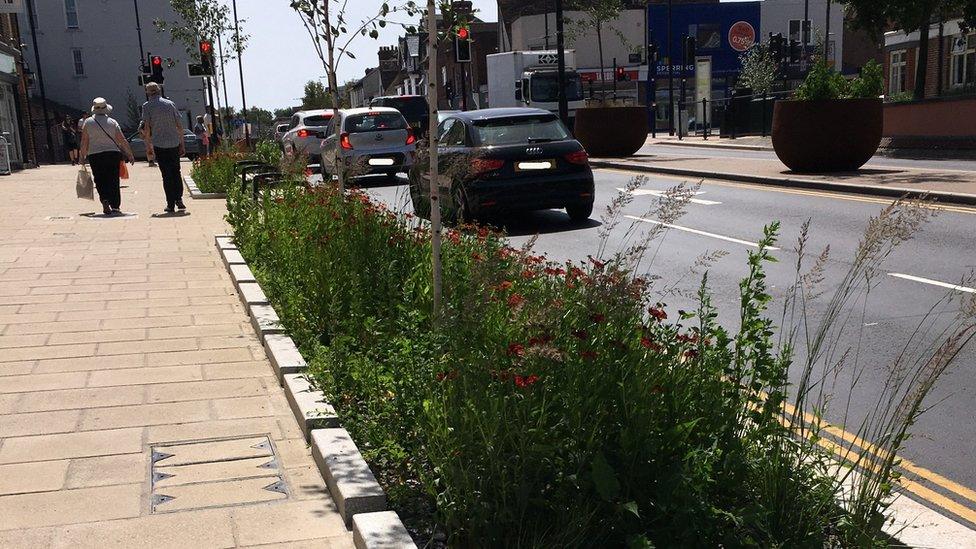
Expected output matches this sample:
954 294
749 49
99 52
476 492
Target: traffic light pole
464 88
142 53
561 64
40 80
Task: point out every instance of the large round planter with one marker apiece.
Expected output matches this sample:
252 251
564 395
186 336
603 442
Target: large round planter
611 131
830 135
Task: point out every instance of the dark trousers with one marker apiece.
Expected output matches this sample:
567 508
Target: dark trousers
105 172
169 165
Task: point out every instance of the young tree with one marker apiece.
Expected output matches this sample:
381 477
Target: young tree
758 69
910 16
597 16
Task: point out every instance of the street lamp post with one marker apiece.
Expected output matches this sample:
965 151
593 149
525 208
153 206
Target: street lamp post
670 77
240 68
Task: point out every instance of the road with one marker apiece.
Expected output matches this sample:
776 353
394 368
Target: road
729 217
877 161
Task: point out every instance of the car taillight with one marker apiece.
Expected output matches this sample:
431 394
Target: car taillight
344 142
302 133
485 165
578 157
410 137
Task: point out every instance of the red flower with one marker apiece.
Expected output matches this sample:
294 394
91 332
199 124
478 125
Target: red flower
528 274
515 300
691 354
504 286
555 271
505 252
598 317
648 344
477 257
482 232
693 338
658 313
515 349
588 355
596 262
526 381
454 237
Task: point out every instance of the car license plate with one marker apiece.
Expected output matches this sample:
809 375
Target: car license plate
536 165
380 161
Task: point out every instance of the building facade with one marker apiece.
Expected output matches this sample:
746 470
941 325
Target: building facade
950 67
92 49
15 119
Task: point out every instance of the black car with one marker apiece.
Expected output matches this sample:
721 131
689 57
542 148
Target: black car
507 160
413 107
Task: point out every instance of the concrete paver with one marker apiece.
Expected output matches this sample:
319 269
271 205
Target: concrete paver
122 334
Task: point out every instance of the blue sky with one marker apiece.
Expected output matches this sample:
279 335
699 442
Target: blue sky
280 59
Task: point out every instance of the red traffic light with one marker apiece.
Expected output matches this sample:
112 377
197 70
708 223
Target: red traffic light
206 47
157 60
463 33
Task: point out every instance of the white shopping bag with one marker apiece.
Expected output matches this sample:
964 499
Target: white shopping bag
84 186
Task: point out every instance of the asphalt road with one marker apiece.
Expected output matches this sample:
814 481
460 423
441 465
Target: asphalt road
729 217
877 161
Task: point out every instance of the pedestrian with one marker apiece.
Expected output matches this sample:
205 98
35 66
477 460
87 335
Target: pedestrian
164 141
200 130
69 135
102 146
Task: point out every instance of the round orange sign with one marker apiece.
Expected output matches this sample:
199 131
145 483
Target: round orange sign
742 36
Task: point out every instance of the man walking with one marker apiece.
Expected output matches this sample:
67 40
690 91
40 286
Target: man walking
164 140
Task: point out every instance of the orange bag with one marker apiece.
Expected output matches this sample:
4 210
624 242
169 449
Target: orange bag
123 170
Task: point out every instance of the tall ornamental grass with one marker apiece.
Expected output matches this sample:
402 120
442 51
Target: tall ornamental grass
559 404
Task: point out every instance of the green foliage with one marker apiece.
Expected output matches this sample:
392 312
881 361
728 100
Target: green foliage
199 19
823 82
553 404
215 173
758 70
316 96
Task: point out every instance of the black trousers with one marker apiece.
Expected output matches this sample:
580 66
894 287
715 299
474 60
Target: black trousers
105 172
168 161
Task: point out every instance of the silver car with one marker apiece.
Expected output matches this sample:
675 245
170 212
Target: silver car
305 134
374 140
190 142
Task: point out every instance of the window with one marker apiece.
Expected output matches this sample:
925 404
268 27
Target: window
795 31
78 61
545 87
455 136
520 129
71 14
964 61
897 72
375 122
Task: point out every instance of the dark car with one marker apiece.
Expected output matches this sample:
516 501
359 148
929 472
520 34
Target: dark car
413 107
496 161
190 141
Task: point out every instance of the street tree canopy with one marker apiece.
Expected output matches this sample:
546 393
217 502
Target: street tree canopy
316 96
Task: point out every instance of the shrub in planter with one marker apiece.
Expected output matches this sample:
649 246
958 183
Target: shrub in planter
607 130
215 173
831 124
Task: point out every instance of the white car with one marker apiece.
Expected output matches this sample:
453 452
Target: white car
375 140
306 132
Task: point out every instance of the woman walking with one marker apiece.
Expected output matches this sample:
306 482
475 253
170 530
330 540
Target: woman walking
102 146
69 136
203 136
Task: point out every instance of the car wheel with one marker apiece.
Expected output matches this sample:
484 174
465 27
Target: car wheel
461 212
579 212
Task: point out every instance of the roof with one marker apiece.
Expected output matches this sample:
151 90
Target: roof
489 114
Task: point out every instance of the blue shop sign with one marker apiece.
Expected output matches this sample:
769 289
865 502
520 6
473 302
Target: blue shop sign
723 31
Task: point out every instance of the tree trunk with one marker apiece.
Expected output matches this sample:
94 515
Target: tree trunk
434 193
599 43
921 66
334 92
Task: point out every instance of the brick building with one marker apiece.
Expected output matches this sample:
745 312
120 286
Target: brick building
15 117
951 60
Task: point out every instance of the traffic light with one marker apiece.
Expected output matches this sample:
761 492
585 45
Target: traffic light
689 50
796 53
462 45
206 57
621 74
777 45
156 69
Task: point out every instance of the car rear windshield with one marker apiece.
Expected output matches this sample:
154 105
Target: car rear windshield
375 122
520 129
411 107
317 121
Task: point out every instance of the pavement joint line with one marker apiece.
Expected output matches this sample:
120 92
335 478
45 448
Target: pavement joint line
932 282
698 232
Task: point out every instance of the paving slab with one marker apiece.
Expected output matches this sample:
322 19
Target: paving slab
125 336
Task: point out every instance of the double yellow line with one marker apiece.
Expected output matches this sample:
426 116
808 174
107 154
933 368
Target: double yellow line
848 453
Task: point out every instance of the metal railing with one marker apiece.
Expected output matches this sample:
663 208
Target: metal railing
727 112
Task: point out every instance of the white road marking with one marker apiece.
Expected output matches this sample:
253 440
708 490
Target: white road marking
696 231
646 192
934 282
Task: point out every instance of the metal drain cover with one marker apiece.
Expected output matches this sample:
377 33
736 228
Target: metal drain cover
214 473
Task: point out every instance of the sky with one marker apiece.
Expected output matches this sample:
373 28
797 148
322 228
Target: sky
280 59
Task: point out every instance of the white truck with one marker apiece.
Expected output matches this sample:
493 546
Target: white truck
530 79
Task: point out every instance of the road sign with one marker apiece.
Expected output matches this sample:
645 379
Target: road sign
742 36
197 70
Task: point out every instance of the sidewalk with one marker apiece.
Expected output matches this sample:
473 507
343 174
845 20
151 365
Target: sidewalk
951 186
137 408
